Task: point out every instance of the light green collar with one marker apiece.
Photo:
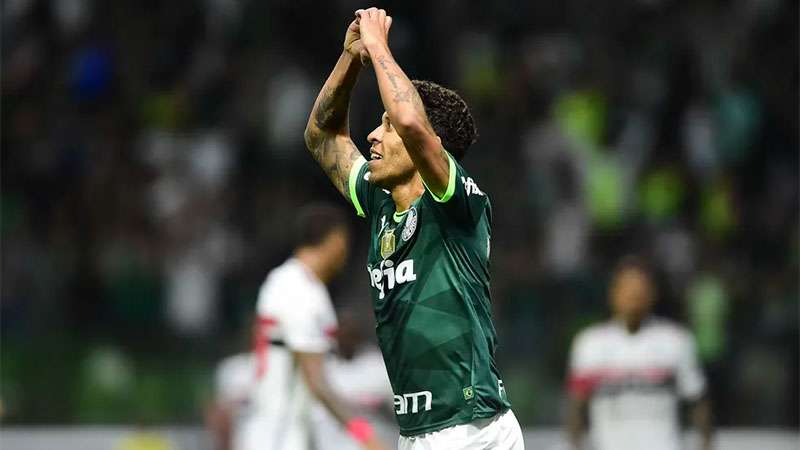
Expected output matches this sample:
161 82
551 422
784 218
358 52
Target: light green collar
398 216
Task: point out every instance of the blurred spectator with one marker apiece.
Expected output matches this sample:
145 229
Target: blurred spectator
234 380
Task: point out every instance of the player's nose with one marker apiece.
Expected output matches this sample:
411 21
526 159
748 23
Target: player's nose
374 137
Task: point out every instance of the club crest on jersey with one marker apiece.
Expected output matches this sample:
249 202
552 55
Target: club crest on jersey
387 243
411 225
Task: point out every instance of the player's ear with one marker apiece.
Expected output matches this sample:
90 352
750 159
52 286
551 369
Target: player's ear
438 139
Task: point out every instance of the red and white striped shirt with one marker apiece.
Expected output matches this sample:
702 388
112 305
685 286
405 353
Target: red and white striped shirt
295 314
634 383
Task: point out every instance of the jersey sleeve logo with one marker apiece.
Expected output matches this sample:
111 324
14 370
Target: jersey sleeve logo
471 187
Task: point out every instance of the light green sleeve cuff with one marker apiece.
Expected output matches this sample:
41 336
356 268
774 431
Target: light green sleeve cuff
451 182
352 184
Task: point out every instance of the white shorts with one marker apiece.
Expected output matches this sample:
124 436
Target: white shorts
500 432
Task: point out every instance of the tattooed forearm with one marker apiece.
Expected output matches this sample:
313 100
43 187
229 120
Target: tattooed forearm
330 111
327 133
401 94
332 108
392 76
403 91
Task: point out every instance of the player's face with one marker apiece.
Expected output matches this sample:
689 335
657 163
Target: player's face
631 295
389 163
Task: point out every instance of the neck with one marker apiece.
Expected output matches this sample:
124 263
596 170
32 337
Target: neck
347 353
311 259
632 325
404 194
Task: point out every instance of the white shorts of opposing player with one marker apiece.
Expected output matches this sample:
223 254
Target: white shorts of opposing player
501 432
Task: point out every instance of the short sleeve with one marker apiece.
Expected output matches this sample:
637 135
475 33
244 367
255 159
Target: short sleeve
581 378
691 382
302 321
463 200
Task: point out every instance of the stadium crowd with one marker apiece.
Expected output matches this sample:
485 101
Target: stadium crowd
153 156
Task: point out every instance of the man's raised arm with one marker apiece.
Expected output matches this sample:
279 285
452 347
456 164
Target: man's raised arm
327 133
403 104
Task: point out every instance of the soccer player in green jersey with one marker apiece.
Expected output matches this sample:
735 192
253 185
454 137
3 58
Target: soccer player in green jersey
428 261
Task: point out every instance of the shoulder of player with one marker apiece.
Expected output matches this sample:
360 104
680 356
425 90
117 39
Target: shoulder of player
283 282
468 181
234 363
376 201
594 333
276 278
664 325
670 328
370 354
294 273
464 184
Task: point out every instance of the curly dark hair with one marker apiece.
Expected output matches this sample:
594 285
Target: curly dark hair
449 116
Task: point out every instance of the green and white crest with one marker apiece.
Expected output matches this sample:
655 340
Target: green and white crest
411 224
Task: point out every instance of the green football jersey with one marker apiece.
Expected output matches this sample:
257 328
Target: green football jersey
429 272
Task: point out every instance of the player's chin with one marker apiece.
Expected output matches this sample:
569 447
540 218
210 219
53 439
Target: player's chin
377 174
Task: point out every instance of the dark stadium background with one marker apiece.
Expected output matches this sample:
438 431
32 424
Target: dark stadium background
152 160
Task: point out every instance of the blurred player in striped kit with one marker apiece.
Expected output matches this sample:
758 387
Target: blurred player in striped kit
357 374
272 390
631 373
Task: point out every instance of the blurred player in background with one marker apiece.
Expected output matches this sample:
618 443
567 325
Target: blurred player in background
629 374
234 381
356 374
295 331
428 263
